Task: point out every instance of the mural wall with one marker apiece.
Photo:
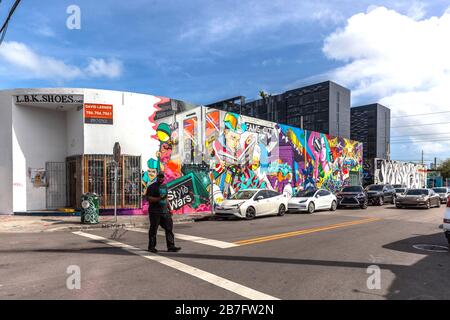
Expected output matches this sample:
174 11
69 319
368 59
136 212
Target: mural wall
410 175
209 153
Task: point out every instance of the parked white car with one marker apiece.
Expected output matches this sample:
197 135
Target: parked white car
251 203
443 192
446 225
312 200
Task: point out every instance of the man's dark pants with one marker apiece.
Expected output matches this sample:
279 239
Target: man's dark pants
165 221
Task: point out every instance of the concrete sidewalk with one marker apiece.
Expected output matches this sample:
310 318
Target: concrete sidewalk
13 223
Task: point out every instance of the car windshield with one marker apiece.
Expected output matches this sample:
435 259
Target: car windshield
400 190
375 188
306 193
243 195
416 192
440 190
352 189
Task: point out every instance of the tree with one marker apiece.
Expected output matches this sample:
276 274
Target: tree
444 168
263 94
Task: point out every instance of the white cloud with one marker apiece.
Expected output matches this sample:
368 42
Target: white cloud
403 62
103 68
16 56
19 55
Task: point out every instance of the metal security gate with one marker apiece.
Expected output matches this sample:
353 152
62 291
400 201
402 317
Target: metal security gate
55 194
99 178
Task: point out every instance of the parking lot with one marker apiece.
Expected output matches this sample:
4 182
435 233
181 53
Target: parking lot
325 255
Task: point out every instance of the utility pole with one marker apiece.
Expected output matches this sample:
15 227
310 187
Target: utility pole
422 157
435 163
4 27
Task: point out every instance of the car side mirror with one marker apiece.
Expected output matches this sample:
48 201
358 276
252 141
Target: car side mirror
259 198
316 196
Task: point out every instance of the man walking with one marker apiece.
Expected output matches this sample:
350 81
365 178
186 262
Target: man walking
159 214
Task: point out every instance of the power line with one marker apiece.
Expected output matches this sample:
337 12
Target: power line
421 114
405 160
415 141
421 139
423 124
422 134
5 24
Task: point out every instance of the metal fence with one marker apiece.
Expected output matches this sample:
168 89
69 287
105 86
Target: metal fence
98 172
55 193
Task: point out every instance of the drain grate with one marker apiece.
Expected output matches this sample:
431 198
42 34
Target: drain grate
430 247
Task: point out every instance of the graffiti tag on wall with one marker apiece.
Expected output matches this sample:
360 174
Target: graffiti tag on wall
410 175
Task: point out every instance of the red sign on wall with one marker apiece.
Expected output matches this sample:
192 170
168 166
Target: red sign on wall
98 113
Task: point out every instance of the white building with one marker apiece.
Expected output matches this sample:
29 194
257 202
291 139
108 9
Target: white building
50 138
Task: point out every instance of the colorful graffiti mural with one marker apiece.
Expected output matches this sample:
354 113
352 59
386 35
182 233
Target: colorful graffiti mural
218 153
318 160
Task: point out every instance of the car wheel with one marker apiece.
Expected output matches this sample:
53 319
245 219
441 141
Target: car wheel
250 213
311 207
333 206
281 210
398 206
380 201
365 205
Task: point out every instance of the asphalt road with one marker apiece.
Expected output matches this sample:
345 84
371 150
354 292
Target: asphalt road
325 255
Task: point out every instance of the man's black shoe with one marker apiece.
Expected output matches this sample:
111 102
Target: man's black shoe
174 249
152 250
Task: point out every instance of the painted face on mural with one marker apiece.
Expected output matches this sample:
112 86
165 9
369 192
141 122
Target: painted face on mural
232 139
152 173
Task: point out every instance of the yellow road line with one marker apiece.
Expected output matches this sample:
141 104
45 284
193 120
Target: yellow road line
305 231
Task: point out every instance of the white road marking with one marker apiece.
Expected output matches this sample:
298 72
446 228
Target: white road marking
186 237
223 283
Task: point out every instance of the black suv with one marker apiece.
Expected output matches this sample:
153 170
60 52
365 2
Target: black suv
380 194
352 196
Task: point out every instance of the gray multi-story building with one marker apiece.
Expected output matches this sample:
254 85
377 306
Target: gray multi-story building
371 125
322 107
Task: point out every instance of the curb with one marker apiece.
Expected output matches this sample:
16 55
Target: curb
104 226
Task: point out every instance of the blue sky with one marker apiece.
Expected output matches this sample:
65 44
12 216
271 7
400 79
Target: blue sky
201 51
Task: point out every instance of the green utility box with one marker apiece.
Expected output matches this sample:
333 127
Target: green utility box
90 208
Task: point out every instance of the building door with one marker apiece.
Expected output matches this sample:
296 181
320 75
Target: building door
56 185
72 183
